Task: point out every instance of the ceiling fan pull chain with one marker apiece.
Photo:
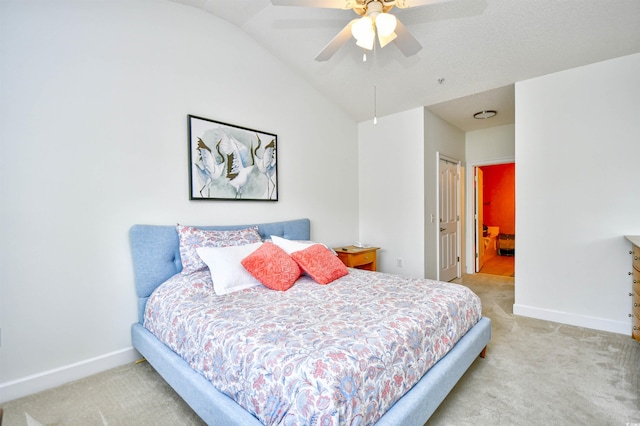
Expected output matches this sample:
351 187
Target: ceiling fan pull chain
375 105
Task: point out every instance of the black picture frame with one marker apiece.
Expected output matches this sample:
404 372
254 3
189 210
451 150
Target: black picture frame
230 162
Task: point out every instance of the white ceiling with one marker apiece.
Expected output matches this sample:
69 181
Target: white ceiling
473 50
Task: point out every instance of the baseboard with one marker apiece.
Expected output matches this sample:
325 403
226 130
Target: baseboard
59 376
594 323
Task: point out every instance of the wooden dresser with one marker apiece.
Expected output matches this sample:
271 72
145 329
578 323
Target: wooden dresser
635 292
358 257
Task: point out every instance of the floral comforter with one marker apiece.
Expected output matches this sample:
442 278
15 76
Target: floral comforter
333 354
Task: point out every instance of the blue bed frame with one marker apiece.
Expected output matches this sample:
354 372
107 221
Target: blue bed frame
156 257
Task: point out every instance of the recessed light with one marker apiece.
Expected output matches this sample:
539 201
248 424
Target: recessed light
483 115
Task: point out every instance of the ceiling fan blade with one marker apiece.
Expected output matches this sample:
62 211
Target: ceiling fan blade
405 41
336 43
403 4
330 4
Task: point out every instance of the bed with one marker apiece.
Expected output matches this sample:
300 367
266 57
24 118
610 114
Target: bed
416 395
506 244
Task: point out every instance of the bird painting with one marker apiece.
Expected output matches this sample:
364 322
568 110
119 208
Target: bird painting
266 164
208 166
231 162
237 173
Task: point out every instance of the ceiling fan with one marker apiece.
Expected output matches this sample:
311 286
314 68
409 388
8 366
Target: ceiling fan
375 19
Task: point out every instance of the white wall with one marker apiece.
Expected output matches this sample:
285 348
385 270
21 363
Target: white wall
391 196
443 137
398 187
490 145
577 174
94 100
494 145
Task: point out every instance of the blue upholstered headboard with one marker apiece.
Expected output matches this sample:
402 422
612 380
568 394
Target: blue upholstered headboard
156 252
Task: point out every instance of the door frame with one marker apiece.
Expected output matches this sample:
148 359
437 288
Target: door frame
470 234
478 203
458 164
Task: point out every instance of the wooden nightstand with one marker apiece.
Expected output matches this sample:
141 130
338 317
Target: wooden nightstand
358 257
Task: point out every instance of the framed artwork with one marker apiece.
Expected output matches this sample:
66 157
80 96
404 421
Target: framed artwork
228 162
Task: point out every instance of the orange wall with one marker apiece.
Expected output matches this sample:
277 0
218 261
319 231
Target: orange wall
500 197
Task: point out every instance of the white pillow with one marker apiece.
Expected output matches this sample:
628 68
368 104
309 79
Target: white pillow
289 246
227 272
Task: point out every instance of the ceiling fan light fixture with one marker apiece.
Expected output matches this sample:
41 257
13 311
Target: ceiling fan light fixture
384 40
363 32
362 28
385 24
374 20
366 43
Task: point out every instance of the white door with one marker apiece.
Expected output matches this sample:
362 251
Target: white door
479 191
449 182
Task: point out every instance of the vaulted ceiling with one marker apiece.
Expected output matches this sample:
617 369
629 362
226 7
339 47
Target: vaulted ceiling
473 50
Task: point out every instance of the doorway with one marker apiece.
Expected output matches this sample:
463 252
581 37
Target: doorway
494 214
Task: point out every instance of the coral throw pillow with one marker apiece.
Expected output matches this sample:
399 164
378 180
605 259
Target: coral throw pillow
320 263
273 267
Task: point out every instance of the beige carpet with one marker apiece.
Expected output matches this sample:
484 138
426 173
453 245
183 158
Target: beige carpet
543 373
535 373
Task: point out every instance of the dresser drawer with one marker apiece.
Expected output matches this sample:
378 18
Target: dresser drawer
635 279
635 309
